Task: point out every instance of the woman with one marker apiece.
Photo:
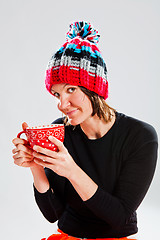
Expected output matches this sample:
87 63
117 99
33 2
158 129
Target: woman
101 173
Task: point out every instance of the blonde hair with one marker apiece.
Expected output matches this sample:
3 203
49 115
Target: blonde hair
99 105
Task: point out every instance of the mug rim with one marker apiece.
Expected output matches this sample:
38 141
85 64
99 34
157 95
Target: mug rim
47 126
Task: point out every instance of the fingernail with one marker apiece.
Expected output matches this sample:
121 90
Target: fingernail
34 147
50 137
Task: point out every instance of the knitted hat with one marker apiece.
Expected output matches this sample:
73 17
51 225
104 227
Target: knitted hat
79 61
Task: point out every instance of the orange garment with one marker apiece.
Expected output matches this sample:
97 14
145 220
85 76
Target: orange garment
65 236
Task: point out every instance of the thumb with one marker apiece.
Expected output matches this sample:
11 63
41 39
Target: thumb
57 142
24 125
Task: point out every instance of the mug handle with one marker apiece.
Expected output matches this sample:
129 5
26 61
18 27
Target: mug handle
19 134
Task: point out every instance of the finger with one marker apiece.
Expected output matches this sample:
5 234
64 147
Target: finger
25 163
21 154
20 161
24 125
45 151
57 142
23 148
44 158
42 163
15 150
17 141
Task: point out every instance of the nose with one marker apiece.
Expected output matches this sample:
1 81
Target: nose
64 103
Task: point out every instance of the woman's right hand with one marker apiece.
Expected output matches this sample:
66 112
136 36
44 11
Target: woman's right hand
22 153
23 156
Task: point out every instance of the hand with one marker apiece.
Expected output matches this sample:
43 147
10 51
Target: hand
23 155
60 162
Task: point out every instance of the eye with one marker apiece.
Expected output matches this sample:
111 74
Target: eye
72 89
56 94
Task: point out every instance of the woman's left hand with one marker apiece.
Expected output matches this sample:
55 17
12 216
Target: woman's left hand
60 162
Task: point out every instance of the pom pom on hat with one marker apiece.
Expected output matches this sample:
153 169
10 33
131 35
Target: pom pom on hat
84 30
79 61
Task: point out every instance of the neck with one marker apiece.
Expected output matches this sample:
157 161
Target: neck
96 128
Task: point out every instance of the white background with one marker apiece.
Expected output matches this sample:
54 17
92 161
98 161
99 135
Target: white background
30 32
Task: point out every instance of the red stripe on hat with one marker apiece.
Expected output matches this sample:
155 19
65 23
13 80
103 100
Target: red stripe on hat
78 77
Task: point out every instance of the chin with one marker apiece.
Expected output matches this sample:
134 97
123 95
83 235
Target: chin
74 122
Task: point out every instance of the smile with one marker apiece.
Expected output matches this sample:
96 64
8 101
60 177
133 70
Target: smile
71 113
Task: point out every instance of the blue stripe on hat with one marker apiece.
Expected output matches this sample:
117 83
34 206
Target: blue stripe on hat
83 48
61 50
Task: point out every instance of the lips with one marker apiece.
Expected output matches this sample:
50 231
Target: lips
71 112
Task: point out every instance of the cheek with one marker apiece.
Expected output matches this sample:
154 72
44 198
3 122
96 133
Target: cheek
86 104
79 99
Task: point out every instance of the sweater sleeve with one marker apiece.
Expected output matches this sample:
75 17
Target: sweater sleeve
138 167
52 202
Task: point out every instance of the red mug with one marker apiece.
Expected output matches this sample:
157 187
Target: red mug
39 135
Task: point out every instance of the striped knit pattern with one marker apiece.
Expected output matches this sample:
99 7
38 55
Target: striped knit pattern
84 30
79 62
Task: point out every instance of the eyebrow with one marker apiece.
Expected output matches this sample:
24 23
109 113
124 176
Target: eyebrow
66 84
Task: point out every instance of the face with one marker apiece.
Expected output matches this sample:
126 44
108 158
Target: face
72 102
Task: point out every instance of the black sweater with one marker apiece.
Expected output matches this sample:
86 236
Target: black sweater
121 163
